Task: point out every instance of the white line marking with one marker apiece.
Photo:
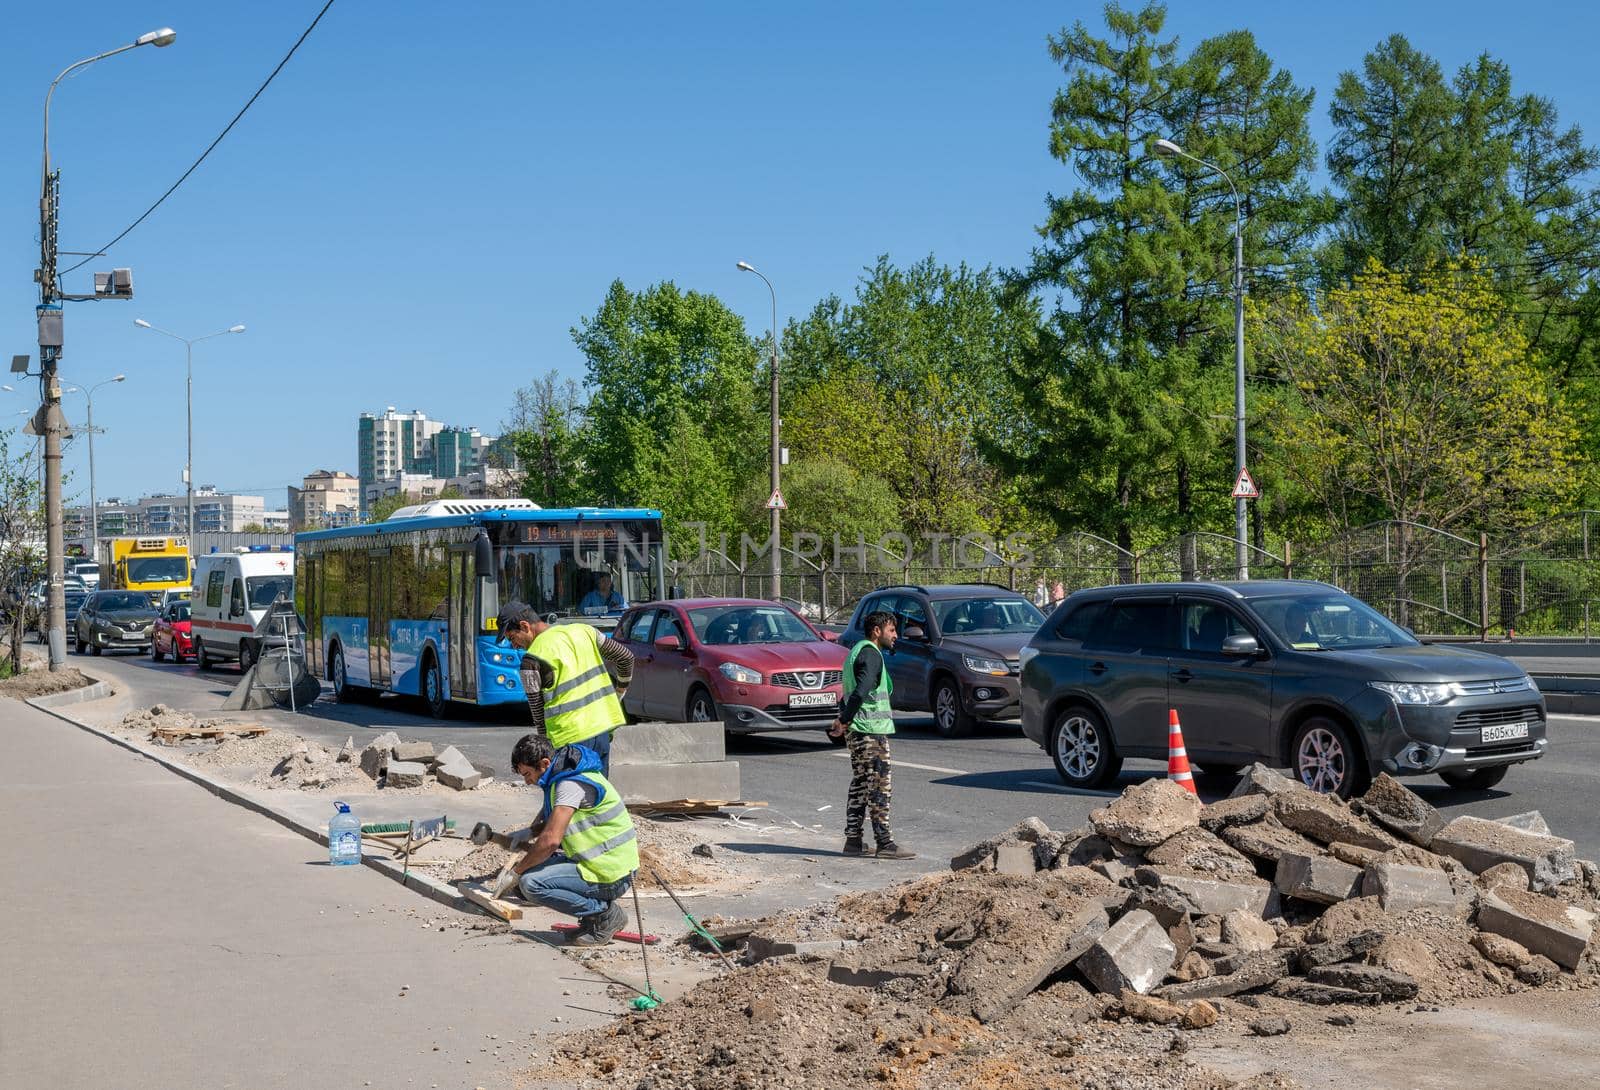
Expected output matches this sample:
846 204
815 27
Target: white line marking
1574 718
896 763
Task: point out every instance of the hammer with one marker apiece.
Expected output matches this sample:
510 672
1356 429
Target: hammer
483 833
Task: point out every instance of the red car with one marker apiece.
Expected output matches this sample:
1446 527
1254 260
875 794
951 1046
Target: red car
170 636
752 664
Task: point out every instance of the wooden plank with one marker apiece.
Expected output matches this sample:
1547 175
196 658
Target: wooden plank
693 806
478 895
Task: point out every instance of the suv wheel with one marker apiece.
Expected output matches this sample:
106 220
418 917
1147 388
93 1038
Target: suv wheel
950 719
1082 749
702 709
1326 760
1480 780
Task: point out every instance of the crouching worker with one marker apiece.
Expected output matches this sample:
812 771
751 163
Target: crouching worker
585 849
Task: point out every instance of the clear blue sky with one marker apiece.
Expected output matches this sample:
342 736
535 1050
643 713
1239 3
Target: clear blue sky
431 195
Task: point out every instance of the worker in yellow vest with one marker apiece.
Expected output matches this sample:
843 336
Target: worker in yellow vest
585 849
574 678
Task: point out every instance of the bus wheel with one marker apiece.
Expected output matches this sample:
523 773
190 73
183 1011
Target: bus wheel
341 680
433 687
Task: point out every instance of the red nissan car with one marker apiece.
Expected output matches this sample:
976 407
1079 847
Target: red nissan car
170 636
752 664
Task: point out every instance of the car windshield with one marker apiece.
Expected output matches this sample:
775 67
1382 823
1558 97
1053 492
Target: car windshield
127 600
158 569
266 589
718 625
1326 622
987 616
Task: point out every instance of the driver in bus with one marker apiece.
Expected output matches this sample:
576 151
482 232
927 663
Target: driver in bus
601 598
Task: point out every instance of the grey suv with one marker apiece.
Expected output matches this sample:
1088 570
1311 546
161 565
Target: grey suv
957 652
1281 671
109 619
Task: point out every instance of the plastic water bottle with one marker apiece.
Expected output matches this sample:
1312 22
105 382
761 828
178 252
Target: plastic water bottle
344 837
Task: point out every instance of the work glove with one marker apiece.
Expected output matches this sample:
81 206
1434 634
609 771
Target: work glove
504 881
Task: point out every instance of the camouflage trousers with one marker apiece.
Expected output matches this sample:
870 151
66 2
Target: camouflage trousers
869 786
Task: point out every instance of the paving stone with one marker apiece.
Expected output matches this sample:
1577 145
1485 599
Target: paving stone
1509 875
1501 950
1320 880
376 754
412 751
1111 869
1258 779
1258 971
1328 819
1322 995
1200 851
1543 925
1401 810
1133 954
1014 859
997 979
1239 810
1210 896
1384 983
1399 888
1027 831
1530 822
1147 813
1248 931
452 776
1481 844
1354 855
405 774
1328 953
450 755
1267 839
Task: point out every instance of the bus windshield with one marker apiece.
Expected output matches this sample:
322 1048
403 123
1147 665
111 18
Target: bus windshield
600 579
158 569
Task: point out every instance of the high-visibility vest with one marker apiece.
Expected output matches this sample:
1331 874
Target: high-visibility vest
599 838
580 703
873 717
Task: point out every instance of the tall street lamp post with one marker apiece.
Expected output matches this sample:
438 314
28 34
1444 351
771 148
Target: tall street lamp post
777 450
188 346
50 340
1168 149
94 508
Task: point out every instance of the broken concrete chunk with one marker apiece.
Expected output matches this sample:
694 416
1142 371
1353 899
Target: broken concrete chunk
1258 971
412 751
1305 991
1029 830
376 754
1144 1008
1401 810
759 948
1267 839
1480 844
1014 859
1199 1015
1248 932
1384 983
1202 852
1321 880
1326 818
1210 896
461 781
1192 967
1537 970
1399 888
856 976
1530 822
1270 1027
450 755
1049 849
1501 950
1133 954
1148 813
997 978
1258 779
405 774
1239 810
1543 925
348 752
1328 953
1355 856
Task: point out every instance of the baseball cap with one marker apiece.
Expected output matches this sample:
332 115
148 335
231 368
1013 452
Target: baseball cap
513 613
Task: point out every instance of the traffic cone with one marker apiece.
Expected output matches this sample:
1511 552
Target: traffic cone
1177 756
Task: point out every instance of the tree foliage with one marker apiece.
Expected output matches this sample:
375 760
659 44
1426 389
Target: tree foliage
22 528
545 428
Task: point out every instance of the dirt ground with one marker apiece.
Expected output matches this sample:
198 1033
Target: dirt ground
37 681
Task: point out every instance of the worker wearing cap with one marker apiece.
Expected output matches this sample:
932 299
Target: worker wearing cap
568 672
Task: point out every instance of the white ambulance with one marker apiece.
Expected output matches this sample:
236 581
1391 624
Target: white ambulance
232 593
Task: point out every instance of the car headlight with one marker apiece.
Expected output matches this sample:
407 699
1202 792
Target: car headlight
1419 692
742 674
978 664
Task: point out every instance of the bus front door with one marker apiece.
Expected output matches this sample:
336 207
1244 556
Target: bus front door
463 627
378 611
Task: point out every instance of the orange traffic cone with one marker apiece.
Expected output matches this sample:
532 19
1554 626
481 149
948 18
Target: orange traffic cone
1177 756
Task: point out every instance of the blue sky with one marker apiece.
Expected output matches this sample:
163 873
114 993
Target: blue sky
431 195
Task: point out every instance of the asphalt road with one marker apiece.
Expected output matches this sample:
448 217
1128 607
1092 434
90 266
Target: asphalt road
947 793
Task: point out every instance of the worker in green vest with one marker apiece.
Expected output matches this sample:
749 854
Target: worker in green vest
585 849
568 672
866 718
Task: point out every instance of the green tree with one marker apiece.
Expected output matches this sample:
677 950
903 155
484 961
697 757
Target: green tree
388 505
829 498
546 431
22 560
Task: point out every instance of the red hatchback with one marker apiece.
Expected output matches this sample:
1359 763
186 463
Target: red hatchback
752 664
170 636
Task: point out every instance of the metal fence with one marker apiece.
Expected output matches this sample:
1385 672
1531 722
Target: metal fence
1540 580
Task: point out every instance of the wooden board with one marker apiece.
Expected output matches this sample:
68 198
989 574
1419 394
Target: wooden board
243 730
478 895
692 806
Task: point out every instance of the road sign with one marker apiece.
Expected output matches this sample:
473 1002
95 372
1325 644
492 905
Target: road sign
776 502
1245 487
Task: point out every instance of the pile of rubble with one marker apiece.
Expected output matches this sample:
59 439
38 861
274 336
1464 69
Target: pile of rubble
1042 950
388 760
144 721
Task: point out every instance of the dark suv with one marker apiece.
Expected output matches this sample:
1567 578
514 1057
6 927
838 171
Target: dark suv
109 619
1282 671
957 654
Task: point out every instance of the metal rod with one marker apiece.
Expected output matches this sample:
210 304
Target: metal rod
644 947
662 882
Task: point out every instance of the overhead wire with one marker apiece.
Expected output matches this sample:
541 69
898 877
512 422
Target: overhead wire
209 149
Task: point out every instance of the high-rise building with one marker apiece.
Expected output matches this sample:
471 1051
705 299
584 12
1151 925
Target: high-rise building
396 445
325 499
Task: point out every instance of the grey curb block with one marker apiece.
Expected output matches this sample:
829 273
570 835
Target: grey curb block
428 887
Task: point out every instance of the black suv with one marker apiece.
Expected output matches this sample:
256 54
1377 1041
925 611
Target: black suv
957 654
1282 671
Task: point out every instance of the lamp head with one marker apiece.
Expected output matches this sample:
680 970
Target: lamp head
746 266
158 38
1166 149
236 329
118 378
141 323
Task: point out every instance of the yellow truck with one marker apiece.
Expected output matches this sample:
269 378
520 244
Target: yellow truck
145 563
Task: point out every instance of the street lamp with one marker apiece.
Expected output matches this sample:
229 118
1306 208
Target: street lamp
94 509
50 352
188 345
1168 149
777 452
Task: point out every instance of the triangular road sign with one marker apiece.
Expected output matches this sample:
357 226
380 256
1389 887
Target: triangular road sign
1245 487
776 502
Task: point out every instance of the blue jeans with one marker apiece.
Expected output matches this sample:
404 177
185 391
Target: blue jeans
601 744
556 884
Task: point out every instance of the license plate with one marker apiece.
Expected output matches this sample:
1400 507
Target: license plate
1505 732
813 700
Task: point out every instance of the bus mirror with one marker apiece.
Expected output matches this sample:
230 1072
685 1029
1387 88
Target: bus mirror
482 554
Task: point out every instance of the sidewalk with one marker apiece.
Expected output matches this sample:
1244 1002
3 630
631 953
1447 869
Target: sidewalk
158 937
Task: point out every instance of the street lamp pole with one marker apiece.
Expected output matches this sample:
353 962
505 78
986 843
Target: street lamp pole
1167 148
188 355
777 448
49 355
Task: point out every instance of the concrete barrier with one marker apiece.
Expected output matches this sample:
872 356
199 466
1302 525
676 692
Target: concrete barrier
675 743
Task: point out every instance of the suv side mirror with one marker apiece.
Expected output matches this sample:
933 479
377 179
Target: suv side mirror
915 632
668 643
1241 647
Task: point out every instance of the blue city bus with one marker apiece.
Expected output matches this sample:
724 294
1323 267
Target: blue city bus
408 605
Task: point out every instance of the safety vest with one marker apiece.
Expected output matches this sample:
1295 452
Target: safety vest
873 717
580 702
599 838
